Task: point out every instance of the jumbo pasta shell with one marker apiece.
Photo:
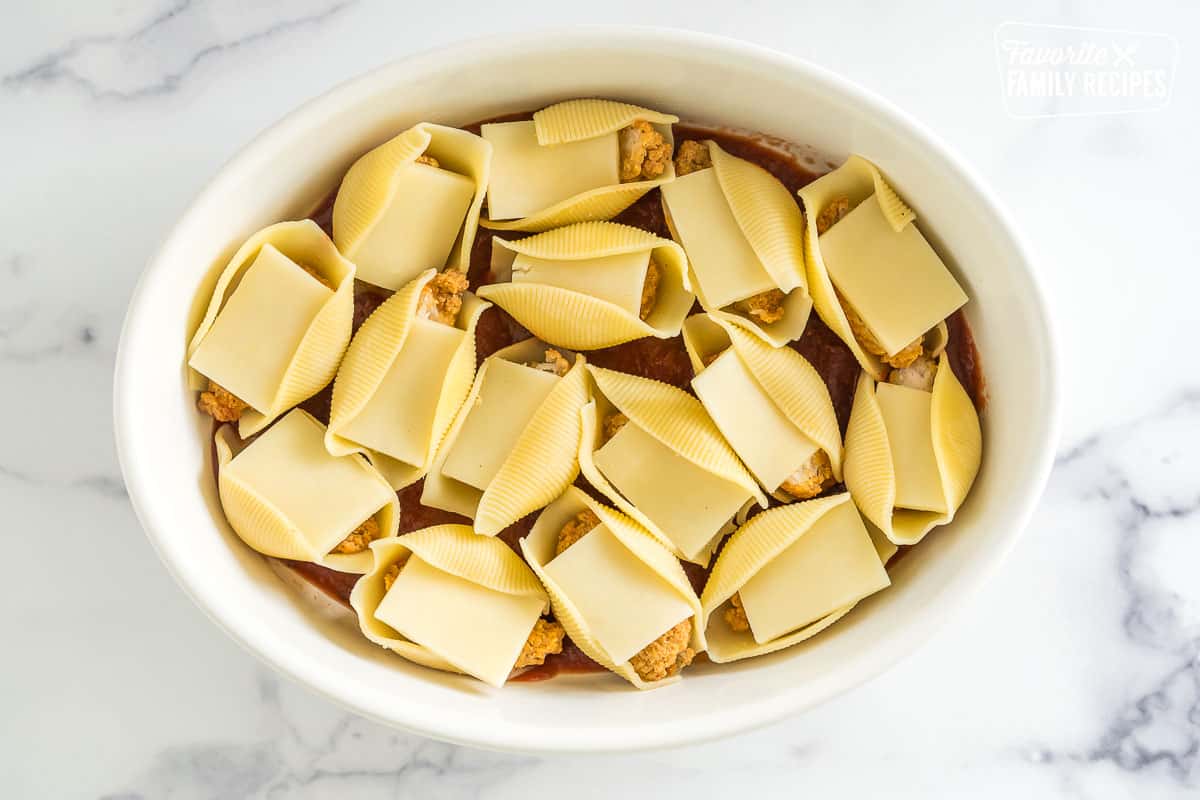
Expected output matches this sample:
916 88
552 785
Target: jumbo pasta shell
577 120
749 550
768 216
453 549
856 180
572 120
796 388
371 183
315 360
370 357
957 445
765 214
544 462
678 420
581 321
538 549
282 531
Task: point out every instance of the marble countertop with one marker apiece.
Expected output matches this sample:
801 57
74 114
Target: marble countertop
1073 674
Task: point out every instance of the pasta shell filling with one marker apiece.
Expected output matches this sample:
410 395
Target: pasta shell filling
442 297
735 615
360 538
918 374
221 404
814 476
553 362
645 152
766 307
650 288
693 157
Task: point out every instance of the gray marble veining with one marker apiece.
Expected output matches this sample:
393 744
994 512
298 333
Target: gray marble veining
149 60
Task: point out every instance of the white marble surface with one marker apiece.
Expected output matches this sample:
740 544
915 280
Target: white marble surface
1074 674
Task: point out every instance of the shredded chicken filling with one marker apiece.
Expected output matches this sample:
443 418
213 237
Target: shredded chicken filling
645 153
321 279
692 157
393 571
360 538
666 655
650 288
220 404
545 639
735 615
832 213
575 529
553 361
442 297
613 423
917 375
812 477
765 307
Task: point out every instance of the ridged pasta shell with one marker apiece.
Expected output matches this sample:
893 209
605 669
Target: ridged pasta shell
370 356
370 184
574 120
676 419
869 471
767 214
580 321
869 474
544 461
703 338
538 549
748 550
795 387
957 436
269 530
760 540
774 227
316 359
856 179
454 549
